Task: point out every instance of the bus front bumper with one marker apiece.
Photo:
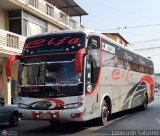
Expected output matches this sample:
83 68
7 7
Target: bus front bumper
53 115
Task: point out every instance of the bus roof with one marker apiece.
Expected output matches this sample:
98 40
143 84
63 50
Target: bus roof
57 32
87 33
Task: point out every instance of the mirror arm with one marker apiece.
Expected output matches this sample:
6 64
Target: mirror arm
9 64
79 60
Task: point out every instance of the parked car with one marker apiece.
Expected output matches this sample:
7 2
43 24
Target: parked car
9 113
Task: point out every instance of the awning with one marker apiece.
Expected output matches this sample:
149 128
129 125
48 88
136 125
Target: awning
69 7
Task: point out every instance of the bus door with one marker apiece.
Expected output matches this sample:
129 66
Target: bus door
92 73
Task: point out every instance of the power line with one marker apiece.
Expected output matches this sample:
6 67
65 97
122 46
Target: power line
151 40
129 27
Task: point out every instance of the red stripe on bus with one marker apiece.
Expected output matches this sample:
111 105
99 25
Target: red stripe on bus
58 102
150 81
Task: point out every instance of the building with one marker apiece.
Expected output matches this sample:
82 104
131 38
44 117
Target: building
117 37
23 18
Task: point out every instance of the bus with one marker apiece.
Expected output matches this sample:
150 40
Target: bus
78 76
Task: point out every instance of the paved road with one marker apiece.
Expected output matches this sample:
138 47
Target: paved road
133 123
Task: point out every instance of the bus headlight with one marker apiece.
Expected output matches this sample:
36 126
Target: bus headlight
72 105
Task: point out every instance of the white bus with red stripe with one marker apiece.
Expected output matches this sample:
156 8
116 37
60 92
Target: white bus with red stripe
79 76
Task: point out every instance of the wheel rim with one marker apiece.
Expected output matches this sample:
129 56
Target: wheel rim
104 113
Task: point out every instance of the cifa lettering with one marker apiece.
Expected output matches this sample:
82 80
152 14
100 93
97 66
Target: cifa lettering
52 42
117 74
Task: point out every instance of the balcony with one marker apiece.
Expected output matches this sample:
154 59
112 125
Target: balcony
45 10
11 43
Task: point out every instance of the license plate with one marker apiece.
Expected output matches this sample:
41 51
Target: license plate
45 116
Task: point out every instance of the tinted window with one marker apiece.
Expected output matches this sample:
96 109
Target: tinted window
108 59
93 61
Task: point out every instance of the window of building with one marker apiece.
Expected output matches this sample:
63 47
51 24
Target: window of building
62 17
49 10
14 14
15 26
120 42
33 25
34 3
23 23
15 21
12 41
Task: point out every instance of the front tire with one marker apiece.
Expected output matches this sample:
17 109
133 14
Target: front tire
102 120
14 120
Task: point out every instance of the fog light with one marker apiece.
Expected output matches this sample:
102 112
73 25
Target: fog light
37 116
54 115
76 115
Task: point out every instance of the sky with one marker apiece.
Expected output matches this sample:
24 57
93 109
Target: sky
140 17
138 21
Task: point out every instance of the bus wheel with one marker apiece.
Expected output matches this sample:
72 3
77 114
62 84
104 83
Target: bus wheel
102 120
145 104
14 120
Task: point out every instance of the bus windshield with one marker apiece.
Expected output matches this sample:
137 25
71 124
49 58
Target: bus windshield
51 77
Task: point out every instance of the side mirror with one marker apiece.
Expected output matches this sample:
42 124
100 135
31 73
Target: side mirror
79 59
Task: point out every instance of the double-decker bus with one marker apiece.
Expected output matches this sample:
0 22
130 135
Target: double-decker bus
79 76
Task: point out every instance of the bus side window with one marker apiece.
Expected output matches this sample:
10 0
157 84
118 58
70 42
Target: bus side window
128 64
118 62
135 67
151 71
141 69
108 59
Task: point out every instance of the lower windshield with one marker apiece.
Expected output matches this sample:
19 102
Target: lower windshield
49 80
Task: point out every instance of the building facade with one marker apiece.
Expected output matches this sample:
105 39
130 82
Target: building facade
23 18
117 37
